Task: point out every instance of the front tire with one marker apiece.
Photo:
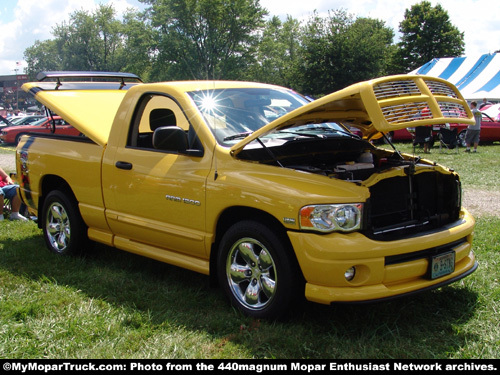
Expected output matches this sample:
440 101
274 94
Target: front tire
257 270
64 230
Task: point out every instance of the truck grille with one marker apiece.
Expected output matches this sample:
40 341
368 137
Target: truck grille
403 206
404 101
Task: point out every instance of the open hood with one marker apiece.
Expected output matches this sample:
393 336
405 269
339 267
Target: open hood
379 106
89 107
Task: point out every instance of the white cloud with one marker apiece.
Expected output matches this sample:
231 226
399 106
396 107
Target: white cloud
31 20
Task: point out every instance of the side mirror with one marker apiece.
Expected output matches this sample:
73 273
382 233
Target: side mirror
170 138
174 139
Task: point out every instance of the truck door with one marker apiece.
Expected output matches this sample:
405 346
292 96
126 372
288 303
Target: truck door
154 197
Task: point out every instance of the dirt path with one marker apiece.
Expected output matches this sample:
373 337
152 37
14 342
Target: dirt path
482 202
478 202
7 161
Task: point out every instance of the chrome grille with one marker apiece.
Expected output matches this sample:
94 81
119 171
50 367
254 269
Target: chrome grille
387 90
440 88
452 110
395 114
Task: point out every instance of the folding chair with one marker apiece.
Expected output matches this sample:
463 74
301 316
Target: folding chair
6 207
448 139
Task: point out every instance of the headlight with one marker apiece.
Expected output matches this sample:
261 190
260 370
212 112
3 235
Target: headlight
331 217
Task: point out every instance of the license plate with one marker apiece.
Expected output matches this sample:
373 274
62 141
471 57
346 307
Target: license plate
442 264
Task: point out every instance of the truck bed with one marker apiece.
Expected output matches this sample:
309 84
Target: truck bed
76 160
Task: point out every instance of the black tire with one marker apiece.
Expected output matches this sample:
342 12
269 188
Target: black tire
257 270
64 230
18 138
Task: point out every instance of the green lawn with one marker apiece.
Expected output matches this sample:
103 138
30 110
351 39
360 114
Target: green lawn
112 304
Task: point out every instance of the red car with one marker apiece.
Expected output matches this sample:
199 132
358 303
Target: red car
400 135
394 136
490 130
12 134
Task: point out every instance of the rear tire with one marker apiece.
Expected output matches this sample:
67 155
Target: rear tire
257 270
64 230
18 138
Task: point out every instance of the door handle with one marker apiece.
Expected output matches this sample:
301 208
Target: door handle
123 165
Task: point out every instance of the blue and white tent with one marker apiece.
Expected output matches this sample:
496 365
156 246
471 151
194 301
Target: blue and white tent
475 77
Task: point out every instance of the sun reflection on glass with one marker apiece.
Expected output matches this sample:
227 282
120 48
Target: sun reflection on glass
208 103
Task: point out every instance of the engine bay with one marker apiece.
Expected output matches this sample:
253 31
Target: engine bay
344 158
399 206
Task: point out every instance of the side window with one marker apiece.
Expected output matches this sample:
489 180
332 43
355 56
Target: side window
153 112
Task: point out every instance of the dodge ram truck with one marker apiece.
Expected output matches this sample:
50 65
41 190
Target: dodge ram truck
266 191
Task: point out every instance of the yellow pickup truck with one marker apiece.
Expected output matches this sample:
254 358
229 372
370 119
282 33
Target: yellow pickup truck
262 188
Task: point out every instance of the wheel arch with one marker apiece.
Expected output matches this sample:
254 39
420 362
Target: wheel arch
17 138
50 183
236 214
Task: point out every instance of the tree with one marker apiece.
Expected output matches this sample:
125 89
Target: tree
204 39
91 41
427 33
42 56
95 41
338 50
277 52
138 40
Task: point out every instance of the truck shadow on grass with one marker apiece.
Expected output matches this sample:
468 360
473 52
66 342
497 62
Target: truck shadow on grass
160 298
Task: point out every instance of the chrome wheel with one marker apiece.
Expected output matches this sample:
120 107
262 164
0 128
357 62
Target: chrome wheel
251 274
64 230
258 270
58 227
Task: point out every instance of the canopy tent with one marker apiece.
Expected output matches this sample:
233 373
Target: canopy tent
476 77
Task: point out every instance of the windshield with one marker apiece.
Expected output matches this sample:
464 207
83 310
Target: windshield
232 114
39 122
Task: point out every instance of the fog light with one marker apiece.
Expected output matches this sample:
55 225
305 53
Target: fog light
349 274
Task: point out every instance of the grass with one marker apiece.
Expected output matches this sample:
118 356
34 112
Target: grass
479 170
112 304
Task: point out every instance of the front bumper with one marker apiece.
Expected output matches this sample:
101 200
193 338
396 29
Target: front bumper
384 269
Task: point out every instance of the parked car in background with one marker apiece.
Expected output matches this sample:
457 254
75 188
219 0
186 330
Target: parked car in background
4 122
12 134
490 130
26 120
399 135
493 111
393 136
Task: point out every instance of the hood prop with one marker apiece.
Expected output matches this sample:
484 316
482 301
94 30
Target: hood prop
49 113
269 152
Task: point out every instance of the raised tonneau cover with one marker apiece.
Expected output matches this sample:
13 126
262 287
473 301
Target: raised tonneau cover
89 101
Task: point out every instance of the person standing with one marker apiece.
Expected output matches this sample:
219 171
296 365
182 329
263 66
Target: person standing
472 135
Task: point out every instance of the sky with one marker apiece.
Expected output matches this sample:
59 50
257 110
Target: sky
22 22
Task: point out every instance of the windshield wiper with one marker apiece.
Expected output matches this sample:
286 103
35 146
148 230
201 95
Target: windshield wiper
304 134
237 136
338 131
326 129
